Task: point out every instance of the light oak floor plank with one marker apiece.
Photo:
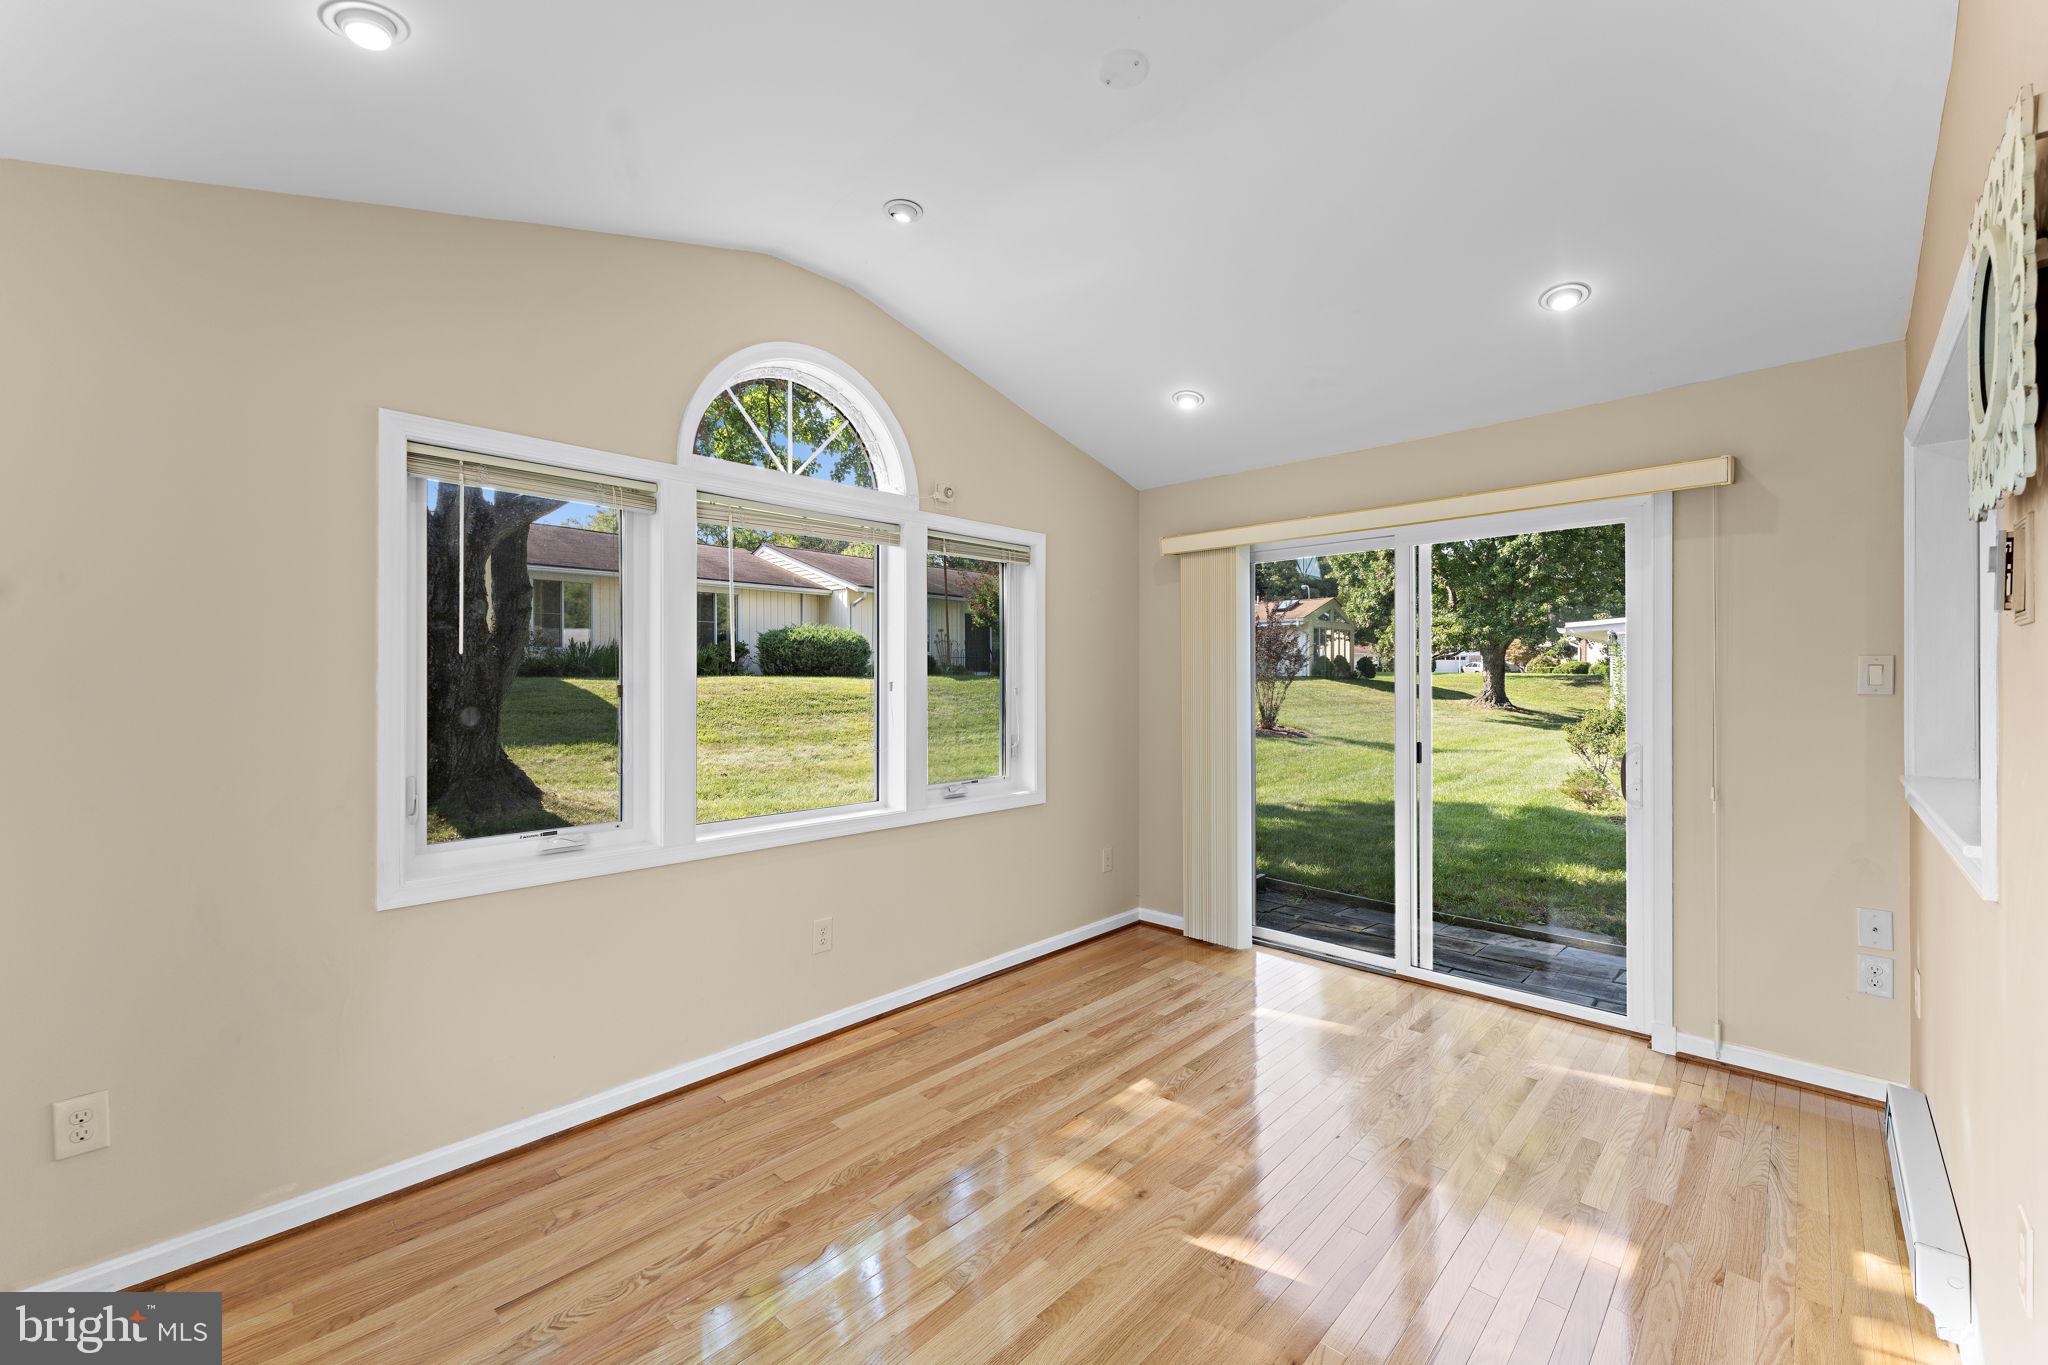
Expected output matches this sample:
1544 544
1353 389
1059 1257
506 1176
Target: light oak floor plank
1141 1149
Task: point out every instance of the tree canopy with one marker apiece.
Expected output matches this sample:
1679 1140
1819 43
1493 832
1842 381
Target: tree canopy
1492 593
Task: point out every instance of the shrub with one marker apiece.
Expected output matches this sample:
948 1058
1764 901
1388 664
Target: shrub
814 652
931 665
1278 652
717 661
1545 662
1341 669
1598 742
1366 668
1575 666
571 661
1583 789
1319 667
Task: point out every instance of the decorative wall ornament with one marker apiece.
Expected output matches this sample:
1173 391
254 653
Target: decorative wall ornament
2004 380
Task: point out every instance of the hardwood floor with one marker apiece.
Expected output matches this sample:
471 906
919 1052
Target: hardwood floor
1142 1149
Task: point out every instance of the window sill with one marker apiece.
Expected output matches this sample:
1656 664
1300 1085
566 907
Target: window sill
1952 810
546 870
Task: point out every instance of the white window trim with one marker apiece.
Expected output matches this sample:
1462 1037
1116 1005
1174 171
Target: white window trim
659 754
1023 689
1961 811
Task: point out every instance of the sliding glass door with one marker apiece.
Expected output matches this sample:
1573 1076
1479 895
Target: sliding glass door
1524 859
1449 775
1332 801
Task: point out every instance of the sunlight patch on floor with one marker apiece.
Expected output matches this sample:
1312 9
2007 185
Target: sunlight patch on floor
1250 1253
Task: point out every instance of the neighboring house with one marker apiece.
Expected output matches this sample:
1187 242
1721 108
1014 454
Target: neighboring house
1597 640
1324 627
575 576
950 638
1604 640
1469 661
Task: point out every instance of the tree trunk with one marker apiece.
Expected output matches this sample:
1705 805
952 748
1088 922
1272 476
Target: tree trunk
471 782
1494 692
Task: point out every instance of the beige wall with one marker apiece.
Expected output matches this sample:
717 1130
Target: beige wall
1977 1047
189 379
1810 572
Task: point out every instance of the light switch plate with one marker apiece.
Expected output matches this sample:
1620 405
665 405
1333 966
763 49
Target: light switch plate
1874 929
1874 674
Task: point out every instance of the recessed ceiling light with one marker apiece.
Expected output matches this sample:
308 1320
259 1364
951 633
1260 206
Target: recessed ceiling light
369 26
1562 298
904 210
1187 400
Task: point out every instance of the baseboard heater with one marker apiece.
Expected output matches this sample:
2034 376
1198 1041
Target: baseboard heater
1927 1211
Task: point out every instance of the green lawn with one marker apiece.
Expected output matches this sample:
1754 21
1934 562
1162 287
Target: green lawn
1508 847
966 733
565 733
765 746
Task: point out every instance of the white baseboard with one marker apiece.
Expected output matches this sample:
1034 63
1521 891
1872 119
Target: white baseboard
193 1247
1786 1068
1164 918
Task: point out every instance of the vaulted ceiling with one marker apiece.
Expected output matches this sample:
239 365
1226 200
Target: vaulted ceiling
1332 217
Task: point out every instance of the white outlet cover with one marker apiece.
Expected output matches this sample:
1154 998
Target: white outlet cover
1874 975
81 1124
821 934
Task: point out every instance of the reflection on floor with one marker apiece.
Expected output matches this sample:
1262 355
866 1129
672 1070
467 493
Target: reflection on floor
1141 1149
1557 971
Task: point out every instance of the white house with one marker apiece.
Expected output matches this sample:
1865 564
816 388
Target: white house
1327 631
1604 640
1597 640
575 576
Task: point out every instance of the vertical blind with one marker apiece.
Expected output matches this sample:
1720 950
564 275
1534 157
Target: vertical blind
1216 746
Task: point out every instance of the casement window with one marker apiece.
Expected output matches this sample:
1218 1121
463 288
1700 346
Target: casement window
802 729
969 695
590 663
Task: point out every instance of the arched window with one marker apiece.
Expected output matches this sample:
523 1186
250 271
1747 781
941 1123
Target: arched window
770 419
797 411
860 661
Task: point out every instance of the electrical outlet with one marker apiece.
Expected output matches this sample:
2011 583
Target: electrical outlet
2026 1266
1874 929
80 1124
821 934
1108 857
1874 975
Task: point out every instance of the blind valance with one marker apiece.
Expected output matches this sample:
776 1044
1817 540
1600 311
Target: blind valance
716 510
974 547
519 476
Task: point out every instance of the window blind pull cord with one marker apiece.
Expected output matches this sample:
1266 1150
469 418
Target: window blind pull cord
461 554
732 605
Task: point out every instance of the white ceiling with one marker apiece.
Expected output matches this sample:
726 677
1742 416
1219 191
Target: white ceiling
1332 216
